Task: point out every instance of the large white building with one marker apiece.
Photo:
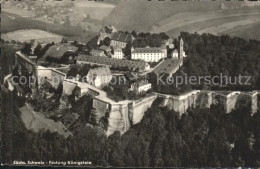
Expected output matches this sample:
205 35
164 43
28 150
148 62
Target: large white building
175 54
141 86
118 54
120 39
148 54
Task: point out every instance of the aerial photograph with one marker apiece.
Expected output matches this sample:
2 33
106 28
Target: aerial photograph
130 83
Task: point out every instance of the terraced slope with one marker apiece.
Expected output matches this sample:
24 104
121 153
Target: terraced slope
173 17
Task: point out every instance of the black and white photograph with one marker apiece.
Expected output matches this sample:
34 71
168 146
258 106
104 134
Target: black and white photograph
130 83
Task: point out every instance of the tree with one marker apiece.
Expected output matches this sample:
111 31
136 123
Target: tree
75 43
72 72
32 42
64 40
164 36
139 43
38 50
127 50
7 58
43 51
134 33
27 49
107 41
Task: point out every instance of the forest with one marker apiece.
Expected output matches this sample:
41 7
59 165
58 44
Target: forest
201 137
210 55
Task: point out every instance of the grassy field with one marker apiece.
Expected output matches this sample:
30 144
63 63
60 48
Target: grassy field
141 15
218 29
20 12
173 17
151 13
218 26
28 34
188 18
12 22
94 9
250 31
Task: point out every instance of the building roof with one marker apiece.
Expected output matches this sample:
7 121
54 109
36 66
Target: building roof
117 50
147 50
104 48
175 51
57 51
100 71
121 37
68 87
115 63
130 76
94 51
108 29
168 66
142 83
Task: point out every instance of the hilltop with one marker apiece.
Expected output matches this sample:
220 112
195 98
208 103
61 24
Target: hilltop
12 22
173 17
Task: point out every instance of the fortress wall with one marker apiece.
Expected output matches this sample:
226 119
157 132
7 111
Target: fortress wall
236 100
140 107
55 77
204 99
82 87
232 101
258 102
118 119
182 103
99 109
122 116
42 73
250 99
171 103
219 99
254 104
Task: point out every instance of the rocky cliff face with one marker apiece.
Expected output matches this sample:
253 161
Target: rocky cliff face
182 103
98 111
204 99
140 107
120 117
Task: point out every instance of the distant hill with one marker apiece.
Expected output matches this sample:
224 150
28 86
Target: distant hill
12 22
142 14
250 31
175 16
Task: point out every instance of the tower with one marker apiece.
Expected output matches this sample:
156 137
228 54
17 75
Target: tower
132 49
181 50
